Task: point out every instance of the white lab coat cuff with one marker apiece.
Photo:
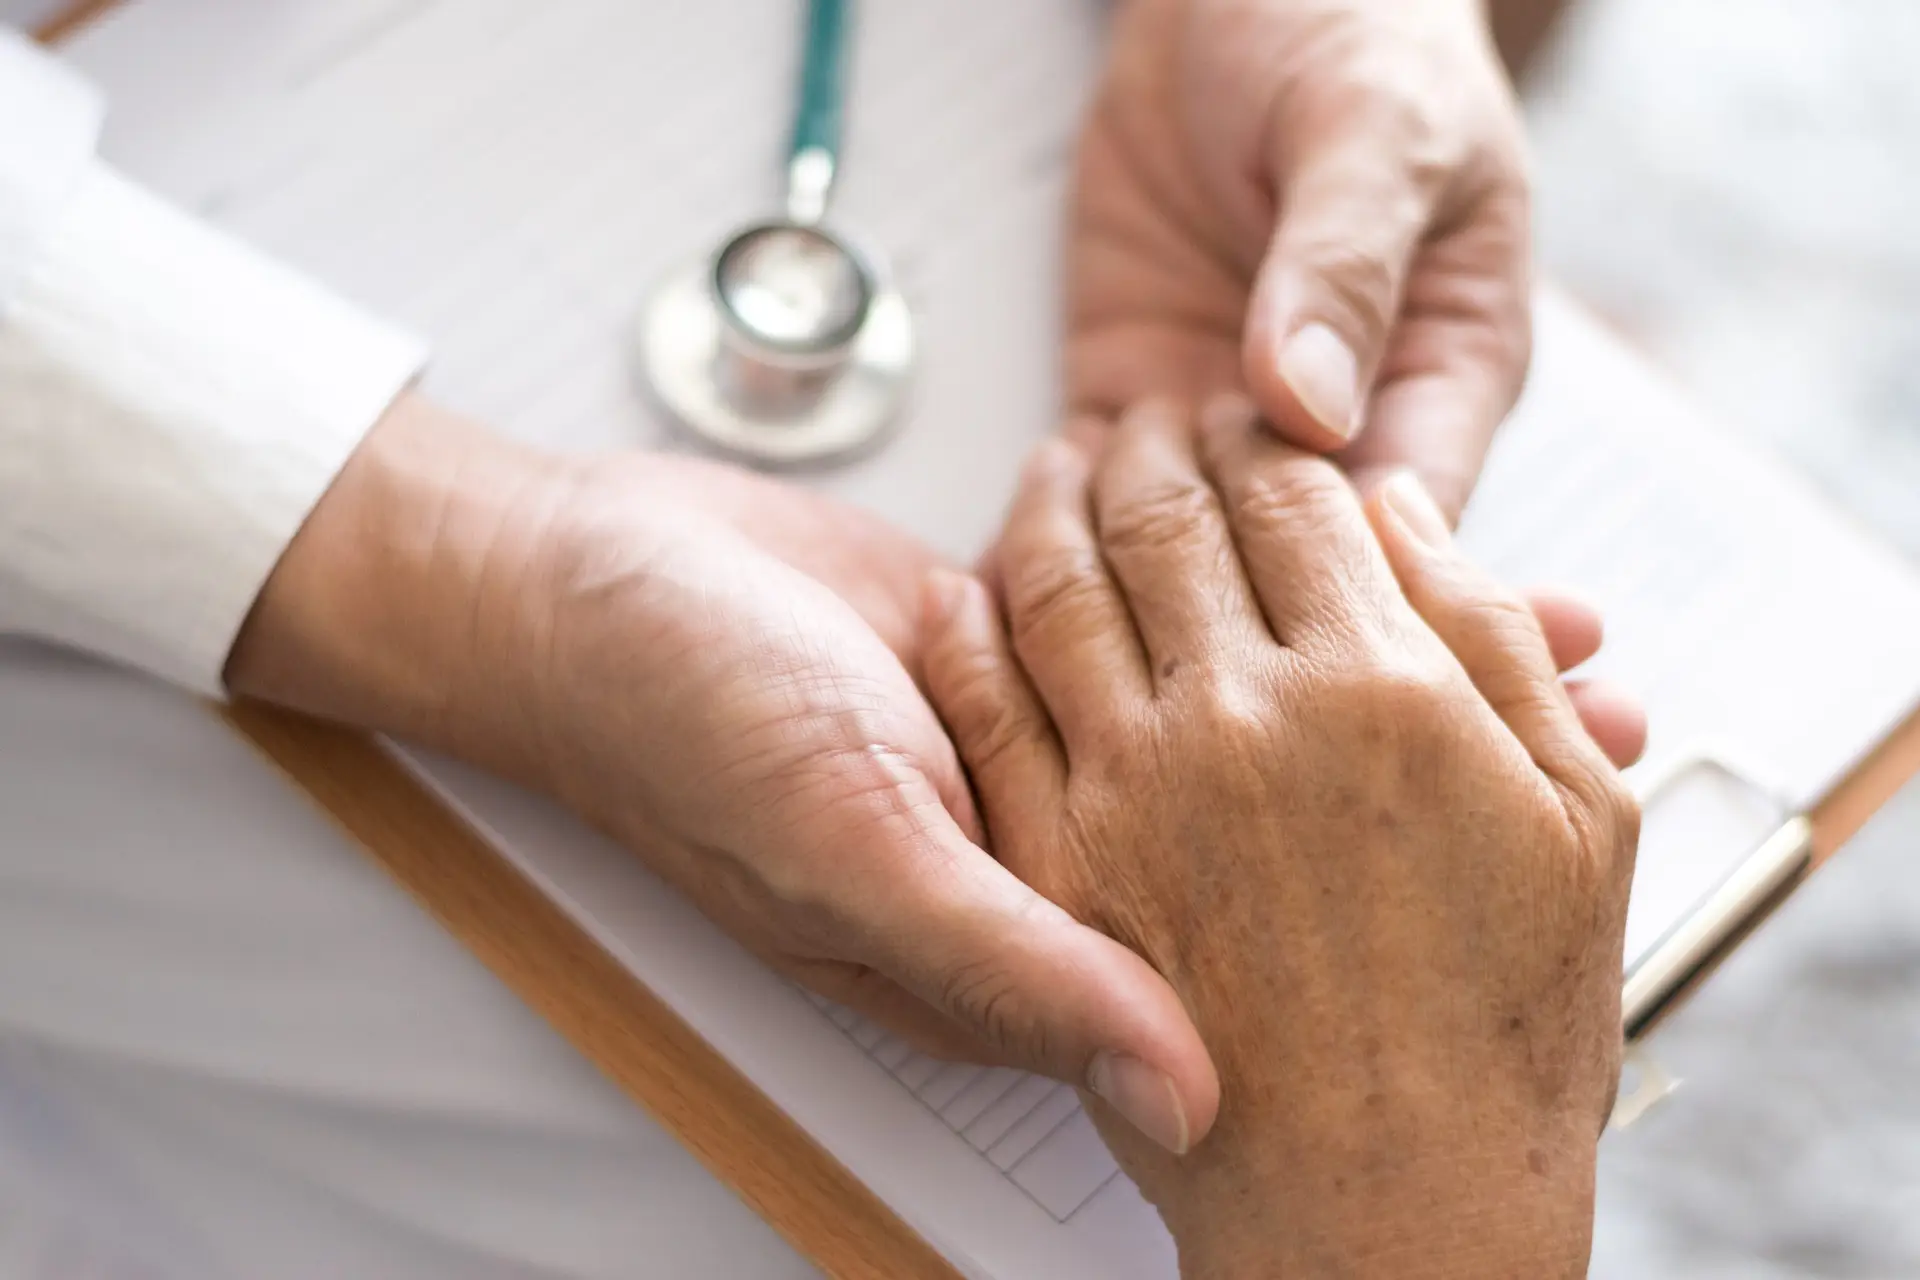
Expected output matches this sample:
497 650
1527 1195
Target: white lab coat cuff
174 405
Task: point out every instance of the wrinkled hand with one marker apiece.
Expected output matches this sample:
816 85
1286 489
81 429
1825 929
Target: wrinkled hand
698 661
752 734
1323 775
878 569
1321 202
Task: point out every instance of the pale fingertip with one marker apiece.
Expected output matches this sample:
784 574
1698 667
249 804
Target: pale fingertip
1572 625
1570 600
1407 498
1323 375
1613 717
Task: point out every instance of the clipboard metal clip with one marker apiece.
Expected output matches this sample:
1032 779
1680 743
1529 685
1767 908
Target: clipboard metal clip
1661 979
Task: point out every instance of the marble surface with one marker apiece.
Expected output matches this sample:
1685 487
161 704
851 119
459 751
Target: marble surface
1738 183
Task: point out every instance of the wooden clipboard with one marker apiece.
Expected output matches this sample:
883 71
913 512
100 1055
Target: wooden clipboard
611 1017
821 1210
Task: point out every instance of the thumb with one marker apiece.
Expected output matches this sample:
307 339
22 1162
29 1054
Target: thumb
1354 206
1049 994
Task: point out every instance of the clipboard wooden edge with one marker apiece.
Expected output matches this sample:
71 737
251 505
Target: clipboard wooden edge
559 970
70 18
1865 790
554 966
627 1031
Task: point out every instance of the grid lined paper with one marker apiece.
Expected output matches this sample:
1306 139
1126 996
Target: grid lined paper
1032 1129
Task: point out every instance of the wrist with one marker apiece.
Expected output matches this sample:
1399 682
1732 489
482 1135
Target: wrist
408 601
1509 1212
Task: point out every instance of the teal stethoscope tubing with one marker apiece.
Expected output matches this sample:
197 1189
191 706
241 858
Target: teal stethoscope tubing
813 155
823 80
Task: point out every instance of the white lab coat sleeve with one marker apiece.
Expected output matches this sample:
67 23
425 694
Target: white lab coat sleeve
172 403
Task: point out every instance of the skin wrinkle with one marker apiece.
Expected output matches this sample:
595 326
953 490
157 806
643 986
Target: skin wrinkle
1360 293
765 663
1378 1021
1238 117
547 502
1132 152
440 551
856 791
1183 318
819 762
1427 155
1449 296
1123 246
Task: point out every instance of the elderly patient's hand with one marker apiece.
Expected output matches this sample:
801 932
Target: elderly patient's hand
1328 784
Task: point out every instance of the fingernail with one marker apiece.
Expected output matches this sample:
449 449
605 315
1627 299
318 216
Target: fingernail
1144 1095
1417 510
1324 376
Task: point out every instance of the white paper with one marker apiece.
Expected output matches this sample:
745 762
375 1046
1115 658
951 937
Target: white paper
1758 623
510 178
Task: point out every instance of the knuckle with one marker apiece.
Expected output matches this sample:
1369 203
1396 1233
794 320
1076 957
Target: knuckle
1413 106
1237 712
1430 150
1625 808
1391 697
1504 163
994 730
1603 815
1295 499
1503 608
1504 621
1063 591
1161 516
1407 109
1614 814
1417 700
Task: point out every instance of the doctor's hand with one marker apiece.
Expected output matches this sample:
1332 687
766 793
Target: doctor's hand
1321 202
1320 770
706 665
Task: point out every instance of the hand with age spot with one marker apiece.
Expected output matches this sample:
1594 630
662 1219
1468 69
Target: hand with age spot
1322 773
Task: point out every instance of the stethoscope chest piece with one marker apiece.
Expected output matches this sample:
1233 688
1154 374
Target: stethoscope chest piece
785 348
788 346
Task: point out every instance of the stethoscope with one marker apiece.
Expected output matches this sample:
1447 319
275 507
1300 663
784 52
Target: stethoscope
789 345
